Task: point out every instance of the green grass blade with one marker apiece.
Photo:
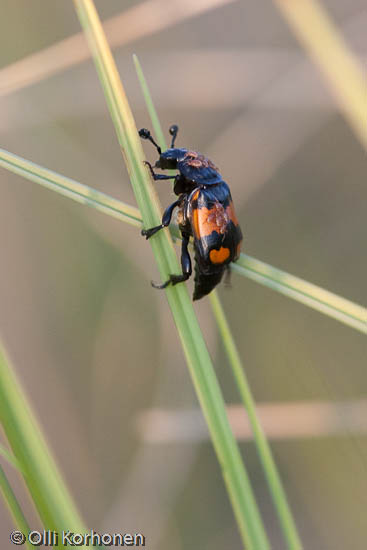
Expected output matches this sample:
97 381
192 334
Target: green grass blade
197 356
13 505
49 493
161 140
263 449
10 458
295 288
309 294
70 188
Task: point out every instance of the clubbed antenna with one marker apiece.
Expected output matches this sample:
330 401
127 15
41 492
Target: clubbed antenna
145 134
173 131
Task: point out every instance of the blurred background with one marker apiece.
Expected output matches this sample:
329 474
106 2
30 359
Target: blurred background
95 346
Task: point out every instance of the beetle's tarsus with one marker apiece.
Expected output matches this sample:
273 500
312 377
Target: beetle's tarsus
147 233
150 168
173 280
160 286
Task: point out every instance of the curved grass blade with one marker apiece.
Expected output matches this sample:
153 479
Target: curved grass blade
197 356
49 493
263 449
307 293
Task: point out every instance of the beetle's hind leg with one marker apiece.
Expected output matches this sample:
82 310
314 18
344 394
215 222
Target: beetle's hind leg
185 264
166 220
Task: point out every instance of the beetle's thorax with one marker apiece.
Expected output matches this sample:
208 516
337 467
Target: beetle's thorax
169 159
197 160
199 169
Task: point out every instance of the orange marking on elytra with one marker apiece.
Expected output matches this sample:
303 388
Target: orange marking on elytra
207 220
219 256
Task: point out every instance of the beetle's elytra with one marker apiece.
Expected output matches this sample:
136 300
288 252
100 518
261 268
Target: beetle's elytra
205 212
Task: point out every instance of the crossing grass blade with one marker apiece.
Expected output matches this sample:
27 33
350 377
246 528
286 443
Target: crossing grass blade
70 188
311 295
341 309
201 369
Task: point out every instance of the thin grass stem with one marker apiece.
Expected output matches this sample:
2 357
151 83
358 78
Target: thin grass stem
14 507
311 295
279 497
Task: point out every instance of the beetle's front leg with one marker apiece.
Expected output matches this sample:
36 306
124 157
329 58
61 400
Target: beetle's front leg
166 220
157 176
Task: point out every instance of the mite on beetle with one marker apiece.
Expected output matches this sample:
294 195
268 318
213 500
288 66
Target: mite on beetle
205 212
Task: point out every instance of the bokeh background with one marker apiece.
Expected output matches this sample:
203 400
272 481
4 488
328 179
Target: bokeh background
95 346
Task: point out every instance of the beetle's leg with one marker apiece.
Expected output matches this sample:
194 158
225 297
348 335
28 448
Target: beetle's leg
185 264
185 260
157 176
166 220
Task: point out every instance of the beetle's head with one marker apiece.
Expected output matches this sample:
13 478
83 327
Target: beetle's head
168 159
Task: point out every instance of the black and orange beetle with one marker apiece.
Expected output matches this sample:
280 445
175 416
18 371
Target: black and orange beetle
205 212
